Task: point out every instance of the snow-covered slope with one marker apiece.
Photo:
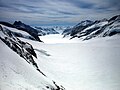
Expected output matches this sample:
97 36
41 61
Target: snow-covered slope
19 67
88 65
18 33
16 74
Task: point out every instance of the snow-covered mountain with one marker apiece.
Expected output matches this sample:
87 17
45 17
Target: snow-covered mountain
78 28
46 31
18 33
20 29
99 28
60 29
35 31
29 32
52 29
27 76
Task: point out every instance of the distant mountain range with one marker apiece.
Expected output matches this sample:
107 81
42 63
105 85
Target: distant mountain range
84 30
46 31
87 29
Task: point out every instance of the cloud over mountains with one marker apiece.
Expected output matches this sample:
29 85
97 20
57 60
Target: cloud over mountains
52 12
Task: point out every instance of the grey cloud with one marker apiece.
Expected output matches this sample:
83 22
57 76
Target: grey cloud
80 3
115 3
59 11
68 13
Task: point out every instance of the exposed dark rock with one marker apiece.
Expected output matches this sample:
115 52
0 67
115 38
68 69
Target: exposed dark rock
33 32
7 24
24 49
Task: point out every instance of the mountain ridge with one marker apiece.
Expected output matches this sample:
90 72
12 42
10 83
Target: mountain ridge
98 28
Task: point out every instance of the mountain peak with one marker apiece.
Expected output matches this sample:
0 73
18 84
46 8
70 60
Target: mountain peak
84 23
18 22
117 17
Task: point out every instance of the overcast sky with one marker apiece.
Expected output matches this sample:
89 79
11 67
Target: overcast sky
57 12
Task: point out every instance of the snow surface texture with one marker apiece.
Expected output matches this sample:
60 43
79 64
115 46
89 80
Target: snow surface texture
16 75
52 39
88 65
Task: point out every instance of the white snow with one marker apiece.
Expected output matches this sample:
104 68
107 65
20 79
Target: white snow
16 30
57 38
17 74
89 65
96 25
76 65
